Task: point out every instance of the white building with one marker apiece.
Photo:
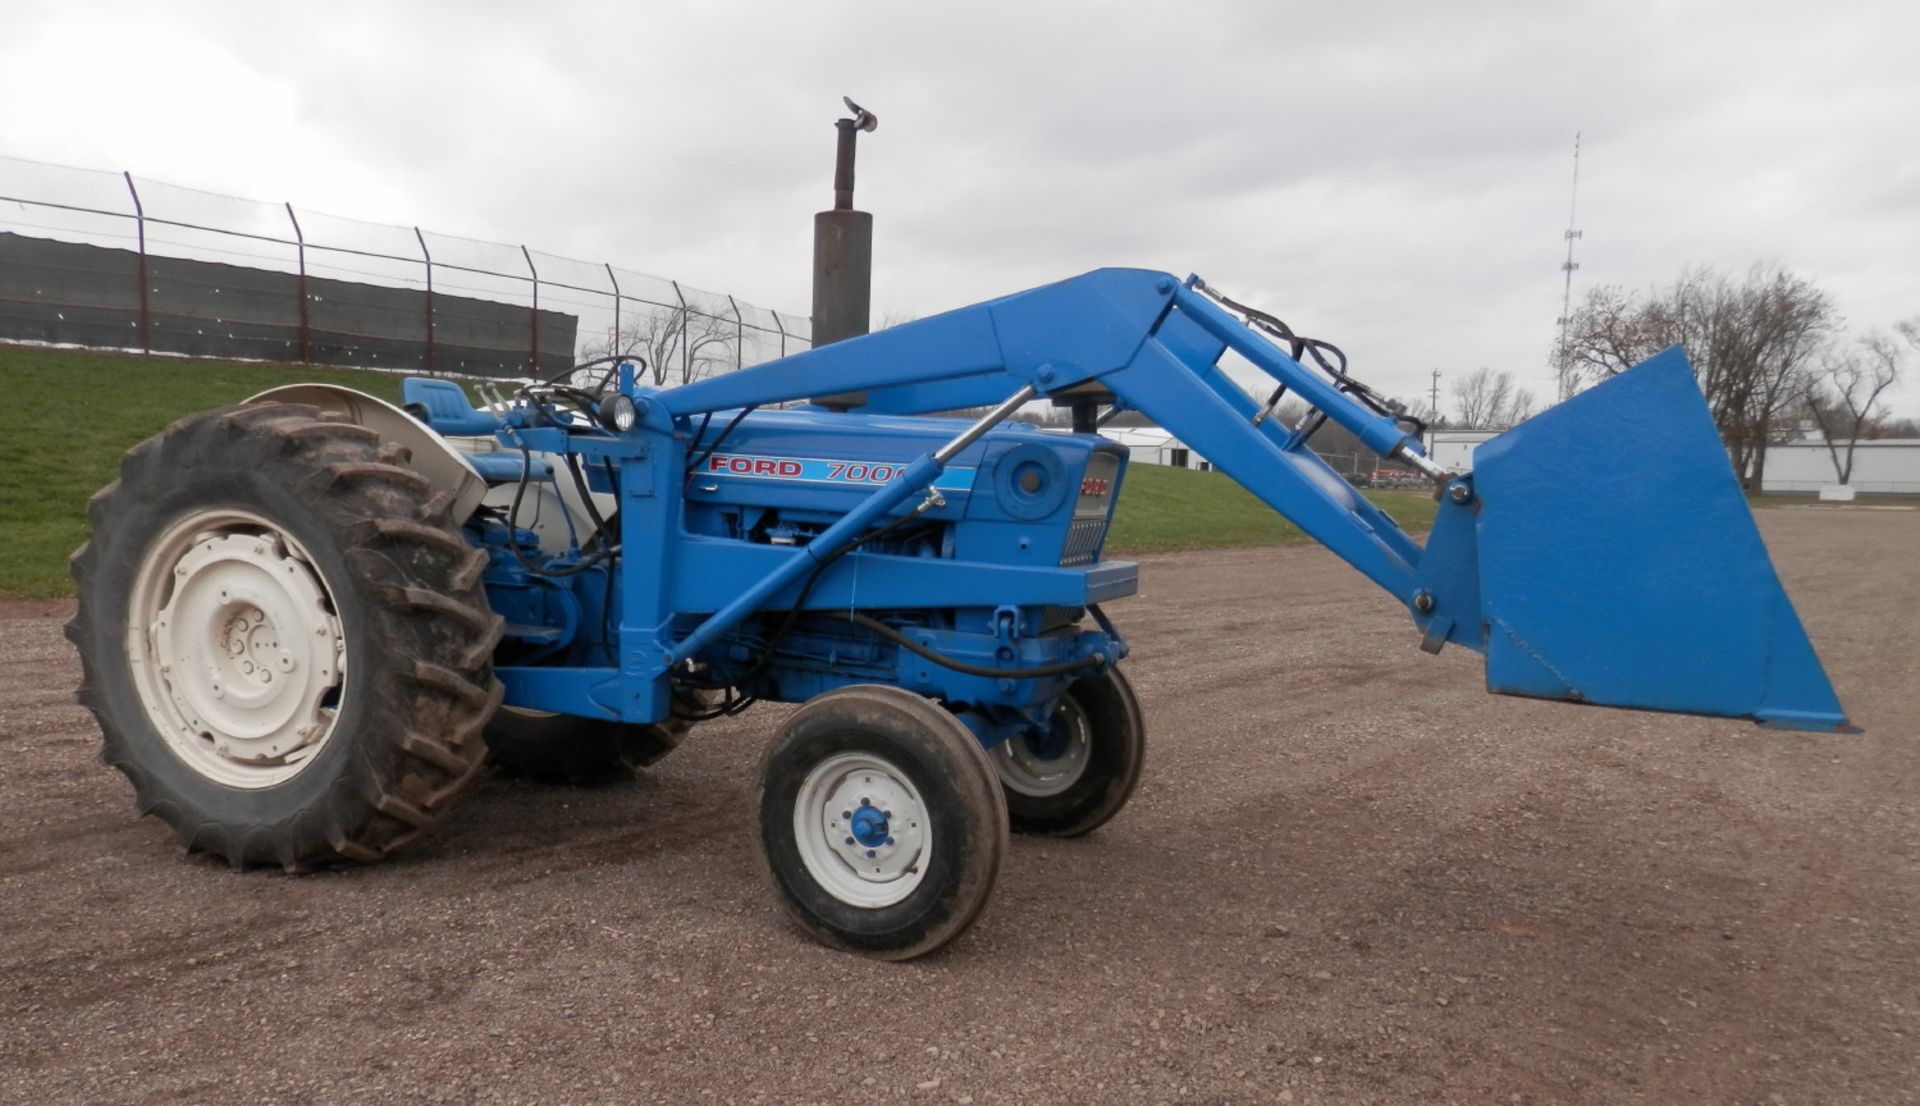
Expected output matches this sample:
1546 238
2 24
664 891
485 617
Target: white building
1799 467
1150 445
1886 466
1453 449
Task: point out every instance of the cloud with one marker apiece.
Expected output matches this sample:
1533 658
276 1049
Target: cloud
1392 177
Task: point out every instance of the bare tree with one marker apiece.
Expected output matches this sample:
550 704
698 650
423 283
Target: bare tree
1419 409
1521 409
678 344
1486 400
1842 393
1748 341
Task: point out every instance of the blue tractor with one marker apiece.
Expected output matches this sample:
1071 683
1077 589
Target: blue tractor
306 619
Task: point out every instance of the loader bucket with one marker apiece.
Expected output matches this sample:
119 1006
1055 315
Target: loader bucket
1619 563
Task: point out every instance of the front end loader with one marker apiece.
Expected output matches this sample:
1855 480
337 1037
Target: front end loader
306 619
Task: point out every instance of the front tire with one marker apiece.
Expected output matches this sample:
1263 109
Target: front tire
881 822
1074 778
283 638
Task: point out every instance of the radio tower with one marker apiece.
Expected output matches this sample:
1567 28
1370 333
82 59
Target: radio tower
1562 364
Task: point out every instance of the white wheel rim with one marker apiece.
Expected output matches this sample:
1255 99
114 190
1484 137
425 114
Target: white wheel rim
1025 765
863 830
236 647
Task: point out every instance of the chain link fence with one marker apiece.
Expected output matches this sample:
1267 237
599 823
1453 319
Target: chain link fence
113 261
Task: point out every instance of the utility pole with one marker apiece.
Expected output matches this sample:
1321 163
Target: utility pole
1563 368
1433 410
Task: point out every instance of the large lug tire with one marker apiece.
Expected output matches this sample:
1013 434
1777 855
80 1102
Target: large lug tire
283 638
584 752
881 823
1075 777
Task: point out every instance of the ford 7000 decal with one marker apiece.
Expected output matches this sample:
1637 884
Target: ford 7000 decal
814 470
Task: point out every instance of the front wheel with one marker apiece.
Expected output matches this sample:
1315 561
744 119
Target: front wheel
1077 774
881 823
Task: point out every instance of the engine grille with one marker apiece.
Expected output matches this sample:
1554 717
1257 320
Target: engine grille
1083 538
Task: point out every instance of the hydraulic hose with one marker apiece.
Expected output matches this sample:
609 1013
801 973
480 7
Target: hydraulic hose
876 626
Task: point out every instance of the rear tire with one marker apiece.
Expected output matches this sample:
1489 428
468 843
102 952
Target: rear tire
881 823
1075 778
283 637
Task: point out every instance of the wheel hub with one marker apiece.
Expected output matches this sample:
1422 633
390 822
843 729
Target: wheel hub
1047 761
238 649
869 827
863 830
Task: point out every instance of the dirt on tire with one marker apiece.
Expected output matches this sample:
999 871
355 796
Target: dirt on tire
1348 876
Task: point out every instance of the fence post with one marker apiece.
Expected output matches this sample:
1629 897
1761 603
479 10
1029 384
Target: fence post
140 228
431 360
306 328
686 330
739 334
617 339
534 339
782 328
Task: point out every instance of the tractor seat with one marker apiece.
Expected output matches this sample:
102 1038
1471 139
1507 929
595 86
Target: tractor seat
442 405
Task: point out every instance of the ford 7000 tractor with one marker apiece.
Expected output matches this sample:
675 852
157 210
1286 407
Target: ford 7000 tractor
306 619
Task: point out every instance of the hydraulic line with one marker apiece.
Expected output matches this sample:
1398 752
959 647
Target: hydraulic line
874 625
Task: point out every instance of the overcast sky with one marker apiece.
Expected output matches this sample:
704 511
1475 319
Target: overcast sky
1392 177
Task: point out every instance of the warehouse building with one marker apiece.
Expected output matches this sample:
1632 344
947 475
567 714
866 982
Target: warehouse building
1150 445
1888 466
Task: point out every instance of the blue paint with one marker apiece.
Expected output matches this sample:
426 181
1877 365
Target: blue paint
1620 564
1602 552
1050 742
869 828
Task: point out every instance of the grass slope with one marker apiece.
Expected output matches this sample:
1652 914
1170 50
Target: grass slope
1165 509
76 412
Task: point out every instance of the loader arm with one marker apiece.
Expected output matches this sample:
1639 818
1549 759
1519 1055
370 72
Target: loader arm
1664 602
1150 342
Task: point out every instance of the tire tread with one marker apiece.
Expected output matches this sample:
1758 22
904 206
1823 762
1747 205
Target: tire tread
419 581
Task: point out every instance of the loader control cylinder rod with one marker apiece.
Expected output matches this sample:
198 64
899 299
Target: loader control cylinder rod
1429 468
986 422
918 477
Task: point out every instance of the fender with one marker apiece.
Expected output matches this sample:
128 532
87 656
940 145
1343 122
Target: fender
433 456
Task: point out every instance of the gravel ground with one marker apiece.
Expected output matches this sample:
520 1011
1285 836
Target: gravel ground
1350 876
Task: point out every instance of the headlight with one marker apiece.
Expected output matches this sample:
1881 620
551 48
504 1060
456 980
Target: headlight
617 413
